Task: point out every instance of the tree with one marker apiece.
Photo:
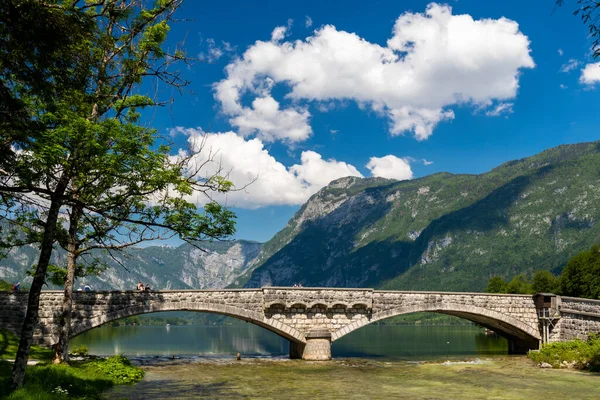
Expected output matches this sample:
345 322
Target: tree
589 12
91 159
544 282
519 285
496 285
581 275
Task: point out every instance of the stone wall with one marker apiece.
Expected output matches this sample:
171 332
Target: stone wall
578 318
297 313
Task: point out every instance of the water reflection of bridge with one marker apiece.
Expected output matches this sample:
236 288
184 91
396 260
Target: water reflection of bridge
311 318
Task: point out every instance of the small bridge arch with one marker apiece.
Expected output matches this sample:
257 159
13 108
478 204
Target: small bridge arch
287 332
516 331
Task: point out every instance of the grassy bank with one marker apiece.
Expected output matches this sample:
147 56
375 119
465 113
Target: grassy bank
80 380
580 354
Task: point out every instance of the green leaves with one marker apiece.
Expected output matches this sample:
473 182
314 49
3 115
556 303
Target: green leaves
581 275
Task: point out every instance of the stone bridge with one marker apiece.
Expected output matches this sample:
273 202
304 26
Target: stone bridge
312 318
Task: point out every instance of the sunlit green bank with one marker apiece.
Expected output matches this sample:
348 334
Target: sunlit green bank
80 380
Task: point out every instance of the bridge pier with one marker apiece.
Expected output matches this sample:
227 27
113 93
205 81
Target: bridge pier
316 348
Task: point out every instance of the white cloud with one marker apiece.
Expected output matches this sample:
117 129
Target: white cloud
560 52
570 65
427 162
248 161
278 33
590 74
308 22
433 60
501 108
271 123
563 86
315 172
390 167
212 51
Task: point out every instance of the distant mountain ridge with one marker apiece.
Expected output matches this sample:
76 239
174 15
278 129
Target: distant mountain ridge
163 267
443 231
439 232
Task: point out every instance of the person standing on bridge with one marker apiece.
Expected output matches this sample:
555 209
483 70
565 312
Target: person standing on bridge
140 286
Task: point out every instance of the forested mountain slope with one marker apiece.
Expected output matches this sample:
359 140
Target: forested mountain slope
440 232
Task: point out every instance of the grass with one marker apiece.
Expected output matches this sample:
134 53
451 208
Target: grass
583 354
79 380
498 378
9 343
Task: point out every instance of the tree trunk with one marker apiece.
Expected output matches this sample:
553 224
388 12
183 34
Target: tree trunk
61 354
33 303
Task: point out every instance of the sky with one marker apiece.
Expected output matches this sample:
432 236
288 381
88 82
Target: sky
288 96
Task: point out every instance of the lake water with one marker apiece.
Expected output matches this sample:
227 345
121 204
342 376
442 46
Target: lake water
373 341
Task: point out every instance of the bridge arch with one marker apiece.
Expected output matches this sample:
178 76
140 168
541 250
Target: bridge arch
283 330
511 328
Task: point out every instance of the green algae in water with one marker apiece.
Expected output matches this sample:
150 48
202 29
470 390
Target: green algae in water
493 378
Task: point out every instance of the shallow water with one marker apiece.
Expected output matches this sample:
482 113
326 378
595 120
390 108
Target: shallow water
498 377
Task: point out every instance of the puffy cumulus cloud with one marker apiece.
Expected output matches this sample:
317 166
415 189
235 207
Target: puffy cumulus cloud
590 74
271 123
262 179
390 167
278 33
316 172
432 61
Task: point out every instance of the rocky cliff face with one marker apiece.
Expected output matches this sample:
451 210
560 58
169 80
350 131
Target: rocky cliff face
441 232
163 267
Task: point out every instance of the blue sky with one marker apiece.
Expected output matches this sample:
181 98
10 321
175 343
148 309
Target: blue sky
398 89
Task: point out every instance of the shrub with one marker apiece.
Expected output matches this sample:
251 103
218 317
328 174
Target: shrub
118 368
80 351
584 353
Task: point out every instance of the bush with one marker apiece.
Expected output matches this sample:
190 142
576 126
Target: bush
118 368
585 354
80 351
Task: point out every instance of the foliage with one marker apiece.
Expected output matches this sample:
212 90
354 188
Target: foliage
80 350
519 285
118 368
5 285
589 12
91 159
582 354
544 281
80 380
496 285
9 343
581 275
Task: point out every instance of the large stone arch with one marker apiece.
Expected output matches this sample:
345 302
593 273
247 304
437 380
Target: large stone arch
516 331
283 330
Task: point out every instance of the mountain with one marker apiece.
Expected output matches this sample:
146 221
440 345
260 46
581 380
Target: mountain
443 231
163 267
